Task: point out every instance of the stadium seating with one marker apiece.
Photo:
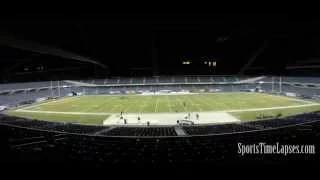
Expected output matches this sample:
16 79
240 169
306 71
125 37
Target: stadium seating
151 80
13 86
54 147
81 129
301 90
16 98
302 79
21 94
216 129
112 81
163 131
161 79
229 79
100 81
276 79
193 79
45 125
138 80
89 81
125 81
219 79
204 79
168 79
141 131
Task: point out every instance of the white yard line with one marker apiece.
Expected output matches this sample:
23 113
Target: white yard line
63 100
232 110
291 98
185 109
191 101
271 108
209 105
157 103
115 106
92 107
133 103
51 102
61 112
102 106
169 104
142 106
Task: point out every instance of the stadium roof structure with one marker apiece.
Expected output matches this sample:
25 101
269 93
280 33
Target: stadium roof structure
137 43
42 49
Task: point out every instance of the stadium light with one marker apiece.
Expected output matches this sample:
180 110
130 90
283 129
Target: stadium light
186 62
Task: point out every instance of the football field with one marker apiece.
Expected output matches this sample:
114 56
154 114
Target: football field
166 109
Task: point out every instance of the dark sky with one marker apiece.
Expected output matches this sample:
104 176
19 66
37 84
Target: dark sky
125 41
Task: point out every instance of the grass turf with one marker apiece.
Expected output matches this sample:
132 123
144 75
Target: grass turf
73 118
165 103
251 115
158 103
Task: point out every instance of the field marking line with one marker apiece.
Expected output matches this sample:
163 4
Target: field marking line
271 108
144 105
181 104
224 111
185 99
52 101
63 100
206 103
156 107
169 103
116 105
61 112
87 109
169 94
141 106
231 110
102 106
290 98
192 102
70 99
131 103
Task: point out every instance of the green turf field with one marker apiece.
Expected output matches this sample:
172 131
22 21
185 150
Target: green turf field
251 115
94 109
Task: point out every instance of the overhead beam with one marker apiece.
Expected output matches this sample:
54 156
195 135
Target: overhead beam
42 49
254 57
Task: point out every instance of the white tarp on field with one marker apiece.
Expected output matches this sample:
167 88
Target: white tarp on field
3 108
170 118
